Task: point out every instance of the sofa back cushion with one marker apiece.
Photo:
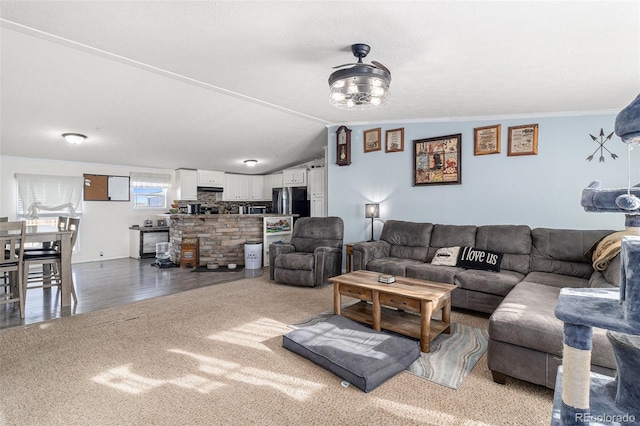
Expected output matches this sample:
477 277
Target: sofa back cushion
312 232
514 241
562 251
451 236
409 240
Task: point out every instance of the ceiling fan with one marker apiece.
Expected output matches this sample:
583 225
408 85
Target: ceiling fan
362 86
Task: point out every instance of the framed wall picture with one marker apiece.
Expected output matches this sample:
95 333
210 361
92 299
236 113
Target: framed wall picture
372 140
436 161
523 140
394 140
486 140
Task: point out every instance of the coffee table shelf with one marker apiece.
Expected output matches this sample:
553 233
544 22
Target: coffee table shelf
402 322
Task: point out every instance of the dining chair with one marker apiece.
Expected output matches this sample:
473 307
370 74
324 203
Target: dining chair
12 236
50 261
61 224
5 277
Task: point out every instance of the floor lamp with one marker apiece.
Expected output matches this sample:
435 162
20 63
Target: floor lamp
372 211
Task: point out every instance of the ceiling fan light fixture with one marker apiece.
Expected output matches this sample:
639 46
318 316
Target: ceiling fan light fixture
362 86
74 138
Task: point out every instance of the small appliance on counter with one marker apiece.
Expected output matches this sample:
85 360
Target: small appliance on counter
193 208
209 210
257 209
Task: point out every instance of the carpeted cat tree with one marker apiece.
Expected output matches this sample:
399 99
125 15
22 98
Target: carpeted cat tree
582 397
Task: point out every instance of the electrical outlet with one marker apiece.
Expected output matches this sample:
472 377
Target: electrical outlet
101 253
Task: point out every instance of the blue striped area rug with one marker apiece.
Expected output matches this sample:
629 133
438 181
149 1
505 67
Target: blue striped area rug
451 357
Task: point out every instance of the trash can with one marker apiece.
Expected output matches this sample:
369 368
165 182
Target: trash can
253 254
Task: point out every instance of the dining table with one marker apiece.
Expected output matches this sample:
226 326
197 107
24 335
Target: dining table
50 234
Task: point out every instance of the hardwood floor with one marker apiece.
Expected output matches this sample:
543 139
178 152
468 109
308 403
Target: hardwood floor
110 283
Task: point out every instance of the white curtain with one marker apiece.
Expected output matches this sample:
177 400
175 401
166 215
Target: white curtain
150 180
38 193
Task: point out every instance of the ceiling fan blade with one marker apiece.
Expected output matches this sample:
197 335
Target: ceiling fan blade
343 65
382 67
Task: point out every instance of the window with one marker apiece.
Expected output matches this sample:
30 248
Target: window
42 198
150 189
48 196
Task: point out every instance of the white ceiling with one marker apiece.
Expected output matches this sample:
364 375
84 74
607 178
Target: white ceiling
207 85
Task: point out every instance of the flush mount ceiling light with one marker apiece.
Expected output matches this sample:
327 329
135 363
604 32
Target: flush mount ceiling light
74 138
362 86
250 163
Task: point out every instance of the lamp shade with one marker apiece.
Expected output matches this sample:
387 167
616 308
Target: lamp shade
372 210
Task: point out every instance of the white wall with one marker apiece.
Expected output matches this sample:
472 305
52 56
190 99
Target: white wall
104 225
538 190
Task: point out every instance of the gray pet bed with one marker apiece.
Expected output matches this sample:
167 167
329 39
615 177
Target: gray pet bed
360 355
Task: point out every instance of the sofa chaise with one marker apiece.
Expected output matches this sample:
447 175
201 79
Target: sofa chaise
525 337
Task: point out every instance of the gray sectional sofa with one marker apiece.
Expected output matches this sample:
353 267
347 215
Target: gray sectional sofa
525 337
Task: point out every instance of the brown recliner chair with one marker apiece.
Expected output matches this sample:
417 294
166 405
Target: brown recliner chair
313 255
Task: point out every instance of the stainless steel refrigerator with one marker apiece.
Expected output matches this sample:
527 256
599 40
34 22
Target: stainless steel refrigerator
291 201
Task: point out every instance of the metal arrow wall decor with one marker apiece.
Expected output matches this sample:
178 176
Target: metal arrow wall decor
602 148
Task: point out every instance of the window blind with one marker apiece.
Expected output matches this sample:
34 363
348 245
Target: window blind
44 193
150 180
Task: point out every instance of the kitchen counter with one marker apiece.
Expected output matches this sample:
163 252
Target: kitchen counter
183 215
221 237
149 228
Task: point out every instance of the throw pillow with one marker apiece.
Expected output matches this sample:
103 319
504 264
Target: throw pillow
473 258
446 256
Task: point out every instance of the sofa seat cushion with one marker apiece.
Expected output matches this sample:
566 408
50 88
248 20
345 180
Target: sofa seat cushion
598 280
526 317
429 272
358 354
295 260
392 265
556 280
500 283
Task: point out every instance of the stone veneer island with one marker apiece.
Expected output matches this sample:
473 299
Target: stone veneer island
221 237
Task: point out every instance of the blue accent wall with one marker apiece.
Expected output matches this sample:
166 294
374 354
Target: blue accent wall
537 190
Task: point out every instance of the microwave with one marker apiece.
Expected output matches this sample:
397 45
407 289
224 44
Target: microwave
257 209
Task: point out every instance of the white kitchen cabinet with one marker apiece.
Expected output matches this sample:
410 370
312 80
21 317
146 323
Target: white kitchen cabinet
316 182
187 184
317 207
294 177
257 188
211 178
274 180
243 190
236 187
316 190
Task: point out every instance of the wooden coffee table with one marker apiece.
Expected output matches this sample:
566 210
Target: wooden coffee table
394 306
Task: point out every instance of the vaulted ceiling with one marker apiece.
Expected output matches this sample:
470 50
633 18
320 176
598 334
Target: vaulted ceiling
207 85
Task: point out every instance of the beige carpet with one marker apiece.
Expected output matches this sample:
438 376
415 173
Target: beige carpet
214 356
